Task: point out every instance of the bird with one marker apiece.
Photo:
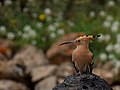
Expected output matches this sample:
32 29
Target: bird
82 56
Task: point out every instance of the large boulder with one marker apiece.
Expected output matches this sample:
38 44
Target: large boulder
46 84
83 82
31 57
12 85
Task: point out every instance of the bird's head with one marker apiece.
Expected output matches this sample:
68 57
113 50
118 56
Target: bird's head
82 40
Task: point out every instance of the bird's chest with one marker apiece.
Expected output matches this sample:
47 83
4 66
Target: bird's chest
81 54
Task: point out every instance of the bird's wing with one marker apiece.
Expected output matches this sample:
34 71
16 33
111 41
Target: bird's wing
72 57
91 55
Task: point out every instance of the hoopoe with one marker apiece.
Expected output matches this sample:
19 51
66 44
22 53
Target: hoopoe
82 56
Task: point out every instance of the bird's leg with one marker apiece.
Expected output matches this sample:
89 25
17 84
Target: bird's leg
75 67
89 68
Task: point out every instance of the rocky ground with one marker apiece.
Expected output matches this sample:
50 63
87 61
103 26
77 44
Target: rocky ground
29 68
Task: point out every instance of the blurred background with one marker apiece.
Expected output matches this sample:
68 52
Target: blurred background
31 30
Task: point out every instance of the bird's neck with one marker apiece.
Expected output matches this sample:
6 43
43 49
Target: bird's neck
83 45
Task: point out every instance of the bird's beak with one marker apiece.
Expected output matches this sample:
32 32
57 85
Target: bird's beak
68 42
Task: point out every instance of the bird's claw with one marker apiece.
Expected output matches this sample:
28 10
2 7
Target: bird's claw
79 73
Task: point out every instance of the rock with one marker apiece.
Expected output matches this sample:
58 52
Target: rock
83 82
58 54
42 72
108 71
12 85
10 70
116 87
2 57
6 48
107 75
32 57
108 66
60 80
46 84
65 69
18 67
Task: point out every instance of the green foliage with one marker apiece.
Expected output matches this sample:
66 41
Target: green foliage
42 23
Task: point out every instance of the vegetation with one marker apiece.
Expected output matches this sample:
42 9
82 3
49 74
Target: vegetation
42 22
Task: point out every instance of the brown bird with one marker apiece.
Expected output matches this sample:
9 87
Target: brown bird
82 56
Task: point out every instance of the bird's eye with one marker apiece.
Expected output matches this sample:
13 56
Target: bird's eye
78 40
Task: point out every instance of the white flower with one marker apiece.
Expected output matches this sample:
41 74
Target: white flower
25 9
39 25
19 33
43 39
52 35
107 37
27 28
109 48
2 29
118 38
111 56
111 3
115 26
107 24
101 38
11 35
34 15
56 24
71 23
103 56
59 16
60 31
109 18
49 18
92 14
117 64
33 42
102 13
117 48
51 27
48 11
32 33
7 2
25 36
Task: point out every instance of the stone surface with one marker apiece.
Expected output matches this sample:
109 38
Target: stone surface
109 71
10 70
83 82
65 69
32 57
42 72
116 87
107 75
46 84
6 49
12 85
60 80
